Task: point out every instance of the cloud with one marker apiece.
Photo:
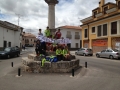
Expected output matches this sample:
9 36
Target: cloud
34 13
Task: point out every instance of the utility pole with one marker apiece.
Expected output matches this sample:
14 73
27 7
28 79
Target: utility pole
18 15
20 37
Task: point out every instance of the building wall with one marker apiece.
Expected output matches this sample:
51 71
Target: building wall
109 36
18 38
1 37
9 36
30 42
73 40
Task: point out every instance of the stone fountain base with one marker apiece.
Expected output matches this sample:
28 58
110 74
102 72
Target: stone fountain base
32 64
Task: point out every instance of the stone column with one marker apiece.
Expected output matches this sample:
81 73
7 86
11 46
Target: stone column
51 16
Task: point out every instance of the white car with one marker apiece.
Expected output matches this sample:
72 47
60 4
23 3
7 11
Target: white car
84 52
109 53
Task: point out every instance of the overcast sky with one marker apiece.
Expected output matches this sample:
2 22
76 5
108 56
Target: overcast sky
34 13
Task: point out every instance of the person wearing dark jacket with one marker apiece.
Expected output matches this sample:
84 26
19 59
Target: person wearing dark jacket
38 48
43 47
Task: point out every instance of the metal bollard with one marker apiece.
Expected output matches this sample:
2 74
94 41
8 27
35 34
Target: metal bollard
12 64
86 64
19 71
73 72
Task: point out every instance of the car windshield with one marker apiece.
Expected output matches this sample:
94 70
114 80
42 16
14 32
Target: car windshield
89 49
7 49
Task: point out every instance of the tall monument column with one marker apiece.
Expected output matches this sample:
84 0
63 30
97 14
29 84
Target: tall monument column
51 14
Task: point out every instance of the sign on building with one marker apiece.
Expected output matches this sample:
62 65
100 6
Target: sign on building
117 45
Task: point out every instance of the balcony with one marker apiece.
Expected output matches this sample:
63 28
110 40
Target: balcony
111 10
87 19
68 36
77 36
99 14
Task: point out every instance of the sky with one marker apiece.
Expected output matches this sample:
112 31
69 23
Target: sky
33 14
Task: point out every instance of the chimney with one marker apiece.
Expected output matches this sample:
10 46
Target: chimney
101 3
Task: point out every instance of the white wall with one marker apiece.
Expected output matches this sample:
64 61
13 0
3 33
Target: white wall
9 36
73 40
1 37
17 38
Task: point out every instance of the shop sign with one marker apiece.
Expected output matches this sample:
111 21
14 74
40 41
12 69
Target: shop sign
100 43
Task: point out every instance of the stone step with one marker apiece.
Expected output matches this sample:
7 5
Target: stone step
60 66
26 61
34 57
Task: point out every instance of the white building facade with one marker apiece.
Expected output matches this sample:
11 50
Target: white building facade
74 34
10 35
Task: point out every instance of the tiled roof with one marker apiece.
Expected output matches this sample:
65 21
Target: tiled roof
71 27
29 35
9 25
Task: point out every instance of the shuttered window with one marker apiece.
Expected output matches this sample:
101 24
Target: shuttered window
105 9
86 33
104 29
119 5
114 27
99 31
93 29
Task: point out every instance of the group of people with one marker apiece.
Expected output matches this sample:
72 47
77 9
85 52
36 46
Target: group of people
61 50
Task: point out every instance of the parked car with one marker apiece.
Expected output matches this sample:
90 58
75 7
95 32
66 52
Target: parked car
10 52
30 45
84 52
109 53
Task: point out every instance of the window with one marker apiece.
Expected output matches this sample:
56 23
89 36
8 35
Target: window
114 27
69 45
82 49
104 29
76 33
103 50
9 44
119 5
68 32
5 44
86 33
76 45
93 29
99 31
105 9
95 13
109 51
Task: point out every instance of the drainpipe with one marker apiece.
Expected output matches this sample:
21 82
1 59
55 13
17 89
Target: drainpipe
88 33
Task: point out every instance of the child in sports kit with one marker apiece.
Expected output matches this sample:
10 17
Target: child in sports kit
66 53
58 34
59 53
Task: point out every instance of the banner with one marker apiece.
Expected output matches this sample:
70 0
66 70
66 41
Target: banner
50 40
100 43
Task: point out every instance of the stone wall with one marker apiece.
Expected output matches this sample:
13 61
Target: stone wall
32 63
51 67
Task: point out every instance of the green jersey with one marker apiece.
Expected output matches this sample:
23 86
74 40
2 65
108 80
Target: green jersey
58 52
47 33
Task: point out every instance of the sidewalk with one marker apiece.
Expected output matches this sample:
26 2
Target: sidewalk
23 51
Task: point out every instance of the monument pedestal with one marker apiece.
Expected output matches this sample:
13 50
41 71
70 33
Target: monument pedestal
33 64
